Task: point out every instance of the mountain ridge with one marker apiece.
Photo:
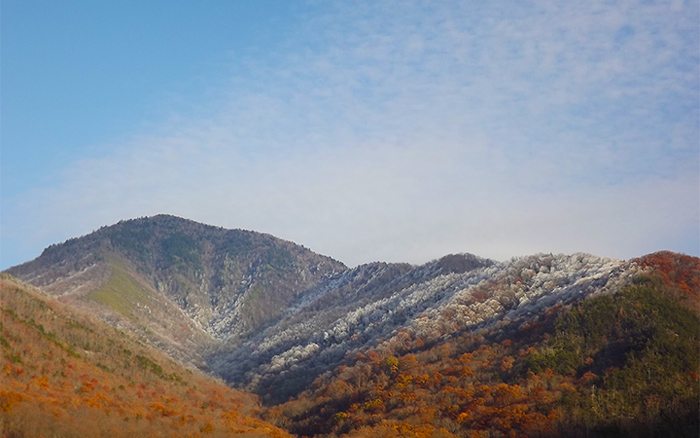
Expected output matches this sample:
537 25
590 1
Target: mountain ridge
273 318
207 295
221 279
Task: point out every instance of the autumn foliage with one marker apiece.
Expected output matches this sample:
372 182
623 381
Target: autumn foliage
616 365
65 374
678 274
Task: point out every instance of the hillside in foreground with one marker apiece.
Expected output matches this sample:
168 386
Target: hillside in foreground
65 374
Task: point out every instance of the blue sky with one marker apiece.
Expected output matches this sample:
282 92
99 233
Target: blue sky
393 130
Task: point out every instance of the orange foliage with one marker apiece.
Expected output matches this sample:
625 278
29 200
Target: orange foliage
415 395
63 374
678 272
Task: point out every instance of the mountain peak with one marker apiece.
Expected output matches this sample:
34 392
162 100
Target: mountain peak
225 281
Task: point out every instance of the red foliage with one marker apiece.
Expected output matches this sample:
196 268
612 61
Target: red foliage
679 273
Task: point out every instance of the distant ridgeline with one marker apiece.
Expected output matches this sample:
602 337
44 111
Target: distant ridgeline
544 345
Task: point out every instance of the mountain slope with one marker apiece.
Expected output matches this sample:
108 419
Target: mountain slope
367 306
64 373
353 348
165 275
622 363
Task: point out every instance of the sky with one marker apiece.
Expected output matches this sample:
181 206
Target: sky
396 131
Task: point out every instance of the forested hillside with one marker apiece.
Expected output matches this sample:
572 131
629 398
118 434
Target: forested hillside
536 346
65 374
367 306
620 364
183 285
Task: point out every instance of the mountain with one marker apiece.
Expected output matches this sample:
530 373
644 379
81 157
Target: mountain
65 373
183 285
621 363
368 306
459 346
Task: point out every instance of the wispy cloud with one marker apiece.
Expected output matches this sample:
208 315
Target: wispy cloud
402 131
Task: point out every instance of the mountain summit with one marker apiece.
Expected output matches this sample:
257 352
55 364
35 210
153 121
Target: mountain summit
183 284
